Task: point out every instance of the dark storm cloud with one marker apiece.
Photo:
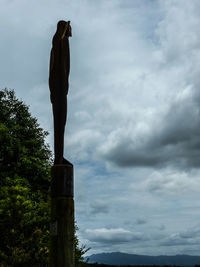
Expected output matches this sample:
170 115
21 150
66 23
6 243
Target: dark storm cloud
175 141
141 221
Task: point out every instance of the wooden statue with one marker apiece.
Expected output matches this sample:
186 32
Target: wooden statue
58 84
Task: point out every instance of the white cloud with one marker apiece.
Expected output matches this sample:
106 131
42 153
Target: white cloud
118 235
190 236
169 182
172 183
99 206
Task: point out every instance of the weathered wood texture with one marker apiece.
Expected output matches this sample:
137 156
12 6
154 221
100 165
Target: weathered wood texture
62 217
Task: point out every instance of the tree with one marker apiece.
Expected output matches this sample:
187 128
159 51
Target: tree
79 252
23 150
24 224
25 162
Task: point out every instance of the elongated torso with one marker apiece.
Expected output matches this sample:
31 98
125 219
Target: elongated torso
59 68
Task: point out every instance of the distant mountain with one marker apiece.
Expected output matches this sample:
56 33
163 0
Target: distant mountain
117 258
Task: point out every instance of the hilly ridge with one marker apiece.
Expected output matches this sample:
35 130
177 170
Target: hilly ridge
118 258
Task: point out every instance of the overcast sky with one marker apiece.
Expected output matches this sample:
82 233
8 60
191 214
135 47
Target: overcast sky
133 130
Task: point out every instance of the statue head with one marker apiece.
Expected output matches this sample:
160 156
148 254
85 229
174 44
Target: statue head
64 28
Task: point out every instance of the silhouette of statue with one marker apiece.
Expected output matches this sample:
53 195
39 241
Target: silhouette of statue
58 85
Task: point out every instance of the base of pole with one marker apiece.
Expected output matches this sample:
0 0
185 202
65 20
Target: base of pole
62 217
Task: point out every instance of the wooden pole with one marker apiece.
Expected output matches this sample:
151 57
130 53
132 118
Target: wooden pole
62 217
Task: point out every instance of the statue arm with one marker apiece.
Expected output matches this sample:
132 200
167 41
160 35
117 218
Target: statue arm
66 56
51 73
51 61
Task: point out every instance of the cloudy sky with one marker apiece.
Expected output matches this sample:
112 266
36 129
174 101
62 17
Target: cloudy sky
133 130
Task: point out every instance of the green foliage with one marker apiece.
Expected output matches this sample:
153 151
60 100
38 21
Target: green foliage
23 151
23 225
25 162
79 252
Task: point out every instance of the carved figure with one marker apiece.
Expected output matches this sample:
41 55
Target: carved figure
58 85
